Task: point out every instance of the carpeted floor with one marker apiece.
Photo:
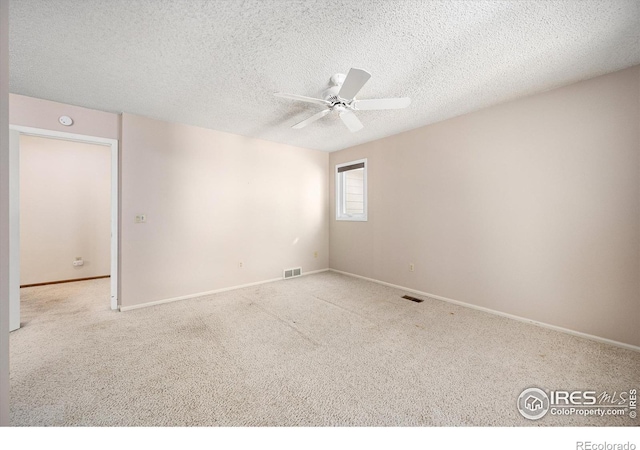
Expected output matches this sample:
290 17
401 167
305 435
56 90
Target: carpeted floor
320 350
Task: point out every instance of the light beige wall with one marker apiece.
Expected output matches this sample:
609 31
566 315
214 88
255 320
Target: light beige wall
38 113
65 209
530 208
4 213
212 200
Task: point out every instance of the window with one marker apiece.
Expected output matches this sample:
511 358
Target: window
351 191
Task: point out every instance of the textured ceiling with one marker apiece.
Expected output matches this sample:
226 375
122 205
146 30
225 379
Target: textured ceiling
216 64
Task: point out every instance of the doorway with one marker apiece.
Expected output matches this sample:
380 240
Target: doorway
79 264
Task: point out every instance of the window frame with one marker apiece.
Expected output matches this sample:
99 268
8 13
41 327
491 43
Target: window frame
341 194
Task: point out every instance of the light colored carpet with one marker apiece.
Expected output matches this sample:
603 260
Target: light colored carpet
324 349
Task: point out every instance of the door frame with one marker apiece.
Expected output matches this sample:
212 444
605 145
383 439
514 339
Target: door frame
14 155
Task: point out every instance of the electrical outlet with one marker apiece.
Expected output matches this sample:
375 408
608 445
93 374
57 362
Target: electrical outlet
411 267
141 218
240 265
315 254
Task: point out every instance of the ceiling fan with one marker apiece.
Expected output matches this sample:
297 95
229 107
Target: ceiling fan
341 98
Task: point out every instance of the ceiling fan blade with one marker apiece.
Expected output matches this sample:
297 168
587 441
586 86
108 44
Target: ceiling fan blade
382 103
356 78
351 121
302 98
311 119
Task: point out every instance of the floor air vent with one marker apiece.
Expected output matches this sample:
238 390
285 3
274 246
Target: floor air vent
413 299
291 273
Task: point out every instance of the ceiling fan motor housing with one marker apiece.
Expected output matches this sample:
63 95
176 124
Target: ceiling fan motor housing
331 94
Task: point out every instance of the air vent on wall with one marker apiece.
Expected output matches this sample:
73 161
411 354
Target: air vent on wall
413 299
291 273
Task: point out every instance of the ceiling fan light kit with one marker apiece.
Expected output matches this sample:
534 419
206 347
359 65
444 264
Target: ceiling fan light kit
340 97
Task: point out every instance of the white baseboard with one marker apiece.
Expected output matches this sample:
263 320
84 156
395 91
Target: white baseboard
202 294
499 313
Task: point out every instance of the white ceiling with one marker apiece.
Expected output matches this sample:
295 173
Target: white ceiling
216 64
